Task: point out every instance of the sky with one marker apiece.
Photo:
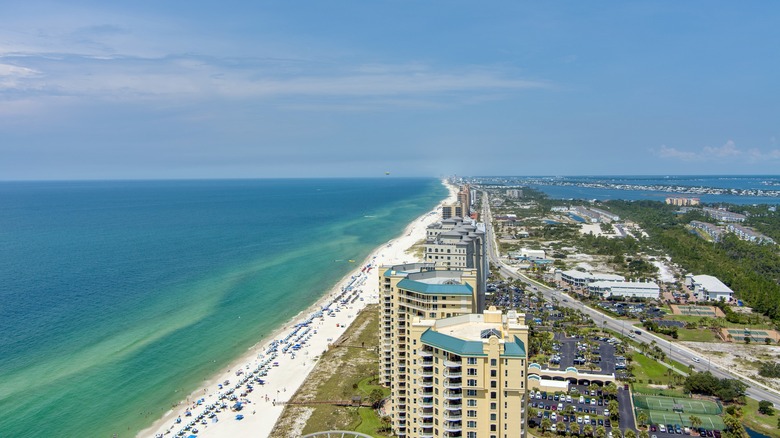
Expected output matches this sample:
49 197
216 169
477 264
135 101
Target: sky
255 89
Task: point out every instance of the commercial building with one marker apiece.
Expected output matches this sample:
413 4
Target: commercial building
514 193
458 243
707 287
468 377
582 279
626 289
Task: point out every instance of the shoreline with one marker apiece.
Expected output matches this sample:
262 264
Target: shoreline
341 303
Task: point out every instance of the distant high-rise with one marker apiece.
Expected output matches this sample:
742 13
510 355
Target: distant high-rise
450 211
464 196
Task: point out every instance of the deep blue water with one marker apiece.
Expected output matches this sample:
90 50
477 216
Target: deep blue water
118 298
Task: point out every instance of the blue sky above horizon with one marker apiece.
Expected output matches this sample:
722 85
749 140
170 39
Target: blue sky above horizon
148 89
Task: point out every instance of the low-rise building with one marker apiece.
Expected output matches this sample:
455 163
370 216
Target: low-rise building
707 287
748 234
627 289
582 279
711 230
674 200
724 215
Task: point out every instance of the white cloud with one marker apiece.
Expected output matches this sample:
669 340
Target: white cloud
725 153
667 152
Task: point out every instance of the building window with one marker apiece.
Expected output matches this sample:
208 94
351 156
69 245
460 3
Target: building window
471 382
492 417
471 403
493 362
471 435
493 373
471 392
471 371
493 395
472 361
471 423
493 406
471 413
493 384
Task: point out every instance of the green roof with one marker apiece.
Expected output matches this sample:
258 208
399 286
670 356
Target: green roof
435 288
469 348
514 349
453 345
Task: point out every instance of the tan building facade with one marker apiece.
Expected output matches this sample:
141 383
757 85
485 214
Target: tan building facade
468 376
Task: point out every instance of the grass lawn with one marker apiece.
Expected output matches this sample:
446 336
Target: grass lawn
646 369
343 372
698 335
766 424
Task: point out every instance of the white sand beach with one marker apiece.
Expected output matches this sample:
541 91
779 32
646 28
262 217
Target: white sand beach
298 346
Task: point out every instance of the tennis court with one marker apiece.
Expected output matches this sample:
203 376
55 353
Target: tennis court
709 311
670 410
679 405
711 422
739 335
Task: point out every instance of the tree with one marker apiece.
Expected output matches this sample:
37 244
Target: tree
641 417
695 421
601 432
734 427
644 433
766 407
614 410
610 390
376 396
546 424
588 429
629 433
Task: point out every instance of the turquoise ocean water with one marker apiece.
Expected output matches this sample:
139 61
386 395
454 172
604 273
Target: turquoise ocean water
118 298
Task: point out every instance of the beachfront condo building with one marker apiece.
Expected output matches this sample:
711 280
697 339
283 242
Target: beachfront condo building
452 372
459 243
449 211
467 377
415 290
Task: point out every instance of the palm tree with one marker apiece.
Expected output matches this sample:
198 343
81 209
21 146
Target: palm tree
614 410
588 429
641 417
610 390
601 432
644 433
695 421
629 433
546 424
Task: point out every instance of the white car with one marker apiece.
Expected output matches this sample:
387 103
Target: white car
568 399
579 419
696 359
661 428
606 412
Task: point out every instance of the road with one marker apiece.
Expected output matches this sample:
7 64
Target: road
754 390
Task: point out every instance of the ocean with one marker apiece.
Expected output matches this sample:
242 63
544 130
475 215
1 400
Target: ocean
118 298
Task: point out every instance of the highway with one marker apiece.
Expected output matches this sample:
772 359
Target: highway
673 350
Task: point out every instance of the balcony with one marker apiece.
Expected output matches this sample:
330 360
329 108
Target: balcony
426 413
453 395
426 383
452 374
453 405
453 415
425 402
425 353
452 426
426 393
426 373
451 364
457 384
